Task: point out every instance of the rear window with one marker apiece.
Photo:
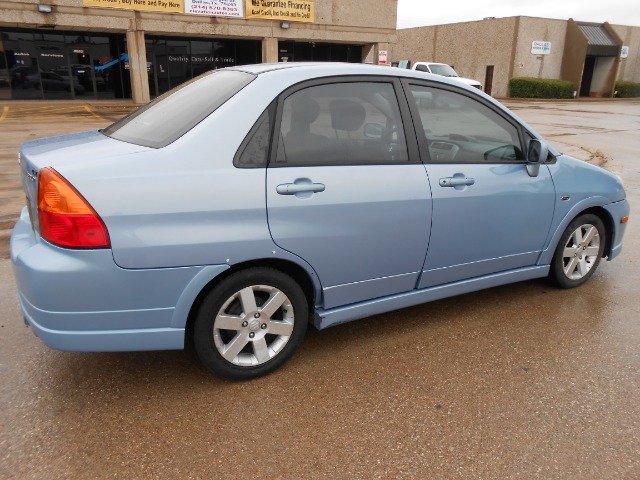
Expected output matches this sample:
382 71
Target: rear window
173 114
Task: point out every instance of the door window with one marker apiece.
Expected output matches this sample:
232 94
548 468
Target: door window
459 129
341 123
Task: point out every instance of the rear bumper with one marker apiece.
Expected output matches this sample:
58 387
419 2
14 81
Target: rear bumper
100 340
80 300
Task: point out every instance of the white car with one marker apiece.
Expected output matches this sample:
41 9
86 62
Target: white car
444 70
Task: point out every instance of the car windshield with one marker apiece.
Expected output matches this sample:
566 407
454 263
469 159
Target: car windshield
444 70
173 114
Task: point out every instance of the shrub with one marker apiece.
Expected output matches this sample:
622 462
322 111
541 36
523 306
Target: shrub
524 87
627 89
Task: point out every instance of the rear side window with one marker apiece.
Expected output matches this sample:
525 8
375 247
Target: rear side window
355 123
173 114
254 150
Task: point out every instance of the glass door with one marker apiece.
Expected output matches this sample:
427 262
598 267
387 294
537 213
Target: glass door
82 73
54 69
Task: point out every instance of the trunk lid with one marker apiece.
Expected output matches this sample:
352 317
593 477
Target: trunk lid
62 151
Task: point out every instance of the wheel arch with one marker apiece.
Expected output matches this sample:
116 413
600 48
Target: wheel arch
302 277
607 220
595 206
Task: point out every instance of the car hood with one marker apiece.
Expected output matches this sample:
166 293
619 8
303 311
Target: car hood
468 81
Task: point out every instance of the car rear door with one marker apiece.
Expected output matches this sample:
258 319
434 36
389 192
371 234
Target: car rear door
346 190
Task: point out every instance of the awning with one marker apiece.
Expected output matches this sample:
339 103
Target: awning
600 42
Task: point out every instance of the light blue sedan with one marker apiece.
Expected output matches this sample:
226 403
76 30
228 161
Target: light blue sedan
232 211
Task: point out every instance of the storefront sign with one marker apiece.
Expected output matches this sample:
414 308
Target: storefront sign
382 57
624 53
169 6
216 8
286 10
540 48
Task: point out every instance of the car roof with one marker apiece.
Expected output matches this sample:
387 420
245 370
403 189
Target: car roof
347 67
328 69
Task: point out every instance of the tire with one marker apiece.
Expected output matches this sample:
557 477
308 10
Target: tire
578 252
258 336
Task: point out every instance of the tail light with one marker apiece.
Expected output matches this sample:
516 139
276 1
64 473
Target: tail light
66 218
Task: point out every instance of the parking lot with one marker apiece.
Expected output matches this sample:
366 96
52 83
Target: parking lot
521 381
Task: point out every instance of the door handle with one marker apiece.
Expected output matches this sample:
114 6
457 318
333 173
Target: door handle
456 181
293 188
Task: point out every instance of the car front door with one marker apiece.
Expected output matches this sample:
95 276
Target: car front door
346 191
489 214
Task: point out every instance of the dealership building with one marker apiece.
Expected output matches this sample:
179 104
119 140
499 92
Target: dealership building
139 49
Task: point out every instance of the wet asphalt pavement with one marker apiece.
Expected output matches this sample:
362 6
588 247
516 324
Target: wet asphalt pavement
522 381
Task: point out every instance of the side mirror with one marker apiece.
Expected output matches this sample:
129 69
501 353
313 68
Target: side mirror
536 155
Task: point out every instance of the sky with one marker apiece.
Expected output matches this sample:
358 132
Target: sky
415 13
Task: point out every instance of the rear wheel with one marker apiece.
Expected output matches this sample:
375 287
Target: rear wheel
579 251
251 323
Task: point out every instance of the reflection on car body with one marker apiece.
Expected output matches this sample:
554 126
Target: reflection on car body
279 195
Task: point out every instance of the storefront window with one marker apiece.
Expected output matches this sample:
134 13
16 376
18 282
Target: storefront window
63 65
174 61
248 52
179 62
203 57
5 78
35 64
289 51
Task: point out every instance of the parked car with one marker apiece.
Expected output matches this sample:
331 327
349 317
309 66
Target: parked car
444 70
285 194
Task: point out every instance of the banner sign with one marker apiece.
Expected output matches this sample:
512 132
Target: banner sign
624 53
285 10
216 8
168 6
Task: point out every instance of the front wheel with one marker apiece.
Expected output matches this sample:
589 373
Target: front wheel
251 323
579 251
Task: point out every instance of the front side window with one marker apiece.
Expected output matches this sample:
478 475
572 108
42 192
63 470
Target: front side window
459 129
341 123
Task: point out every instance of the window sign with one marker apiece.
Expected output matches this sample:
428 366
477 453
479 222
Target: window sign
217 8
624 53
540 47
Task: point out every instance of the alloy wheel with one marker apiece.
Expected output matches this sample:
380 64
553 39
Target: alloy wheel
581 252
253 325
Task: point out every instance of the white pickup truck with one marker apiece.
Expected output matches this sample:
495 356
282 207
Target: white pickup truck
444 70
